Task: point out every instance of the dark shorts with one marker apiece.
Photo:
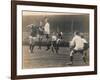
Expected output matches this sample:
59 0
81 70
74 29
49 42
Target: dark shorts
47 36
54 43
86 46
76 51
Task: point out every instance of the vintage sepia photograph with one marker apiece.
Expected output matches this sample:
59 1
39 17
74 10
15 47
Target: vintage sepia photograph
52 39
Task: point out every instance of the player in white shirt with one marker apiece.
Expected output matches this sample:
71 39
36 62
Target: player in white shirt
47 31
78 45
53 42
47 26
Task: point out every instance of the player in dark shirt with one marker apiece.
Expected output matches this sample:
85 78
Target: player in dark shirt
32 37
40 33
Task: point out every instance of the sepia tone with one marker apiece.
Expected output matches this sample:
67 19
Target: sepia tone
67 23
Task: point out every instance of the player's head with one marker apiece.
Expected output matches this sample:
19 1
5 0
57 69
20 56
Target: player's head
76 33
61 33
45 19
82 35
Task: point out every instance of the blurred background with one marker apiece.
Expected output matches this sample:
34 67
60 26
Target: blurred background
67 23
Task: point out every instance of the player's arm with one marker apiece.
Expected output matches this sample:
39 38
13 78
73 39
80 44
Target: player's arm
72 43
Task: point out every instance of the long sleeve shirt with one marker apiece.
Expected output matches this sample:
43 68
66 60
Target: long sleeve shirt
47 28
77 42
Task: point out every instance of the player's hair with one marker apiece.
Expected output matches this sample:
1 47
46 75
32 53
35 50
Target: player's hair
46 18
77 33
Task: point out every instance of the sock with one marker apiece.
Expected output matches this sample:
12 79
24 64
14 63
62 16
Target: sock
71 58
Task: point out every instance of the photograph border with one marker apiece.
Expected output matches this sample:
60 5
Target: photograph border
14 39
